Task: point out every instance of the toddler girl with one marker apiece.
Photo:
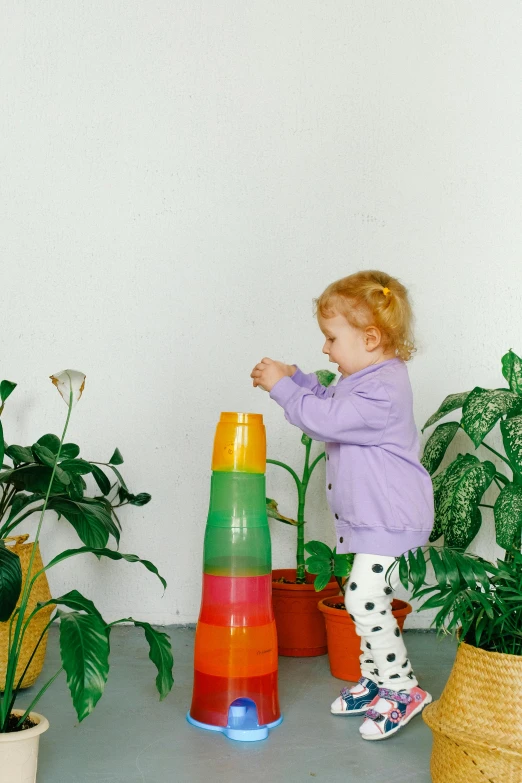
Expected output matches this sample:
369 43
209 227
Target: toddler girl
378 491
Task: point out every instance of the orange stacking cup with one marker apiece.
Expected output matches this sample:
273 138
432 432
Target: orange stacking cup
240 443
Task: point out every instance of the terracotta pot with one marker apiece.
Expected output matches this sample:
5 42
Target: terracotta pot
300 627
19 750
344 644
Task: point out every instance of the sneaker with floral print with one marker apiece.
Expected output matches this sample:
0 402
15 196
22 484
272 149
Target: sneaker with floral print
391 710
355 700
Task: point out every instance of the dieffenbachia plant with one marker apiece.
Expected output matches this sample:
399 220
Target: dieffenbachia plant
458 489
84 635
325 378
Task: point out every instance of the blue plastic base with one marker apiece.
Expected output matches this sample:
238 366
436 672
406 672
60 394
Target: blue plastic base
242 723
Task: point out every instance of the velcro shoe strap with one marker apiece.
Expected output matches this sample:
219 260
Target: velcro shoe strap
403 698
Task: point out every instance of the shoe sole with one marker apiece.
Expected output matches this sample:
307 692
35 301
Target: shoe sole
405 722
351 712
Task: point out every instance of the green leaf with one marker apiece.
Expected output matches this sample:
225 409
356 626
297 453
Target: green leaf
89 517
50 442
20 501
160 653
318 548
47 458
512 371
414 571
76 466
438 567
306 439
101 479
508 516
20 454
35 479
139 500
464 564
116 458
462 485
321 580
10 582
84 649
6 388
343 564
110 553
450 403
403 571
325 377
73 600
451 570
421 566
273 512
437 444
484 407
318 565
69 451
511 430
76 487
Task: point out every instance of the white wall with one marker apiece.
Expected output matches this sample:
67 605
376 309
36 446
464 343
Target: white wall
179 179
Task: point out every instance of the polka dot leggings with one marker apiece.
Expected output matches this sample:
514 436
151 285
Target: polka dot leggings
368 597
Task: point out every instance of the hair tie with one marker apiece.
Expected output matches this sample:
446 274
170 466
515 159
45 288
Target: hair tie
386 291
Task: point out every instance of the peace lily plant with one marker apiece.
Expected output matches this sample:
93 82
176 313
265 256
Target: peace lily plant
83 634
325 377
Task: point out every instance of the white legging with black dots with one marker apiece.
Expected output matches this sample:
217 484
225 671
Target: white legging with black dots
368 597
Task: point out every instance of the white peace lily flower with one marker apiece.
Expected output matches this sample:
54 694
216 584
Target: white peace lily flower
67 380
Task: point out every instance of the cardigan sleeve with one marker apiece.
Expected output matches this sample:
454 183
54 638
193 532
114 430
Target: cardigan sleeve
358 418
310 381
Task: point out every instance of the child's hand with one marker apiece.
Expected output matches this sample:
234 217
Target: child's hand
268 372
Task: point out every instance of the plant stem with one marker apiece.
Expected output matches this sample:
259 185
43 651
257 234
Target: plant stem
286 467
39 695
498 454
14 652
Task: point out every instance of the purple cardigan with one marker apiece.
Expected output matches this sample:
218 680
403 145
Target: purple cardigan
378 491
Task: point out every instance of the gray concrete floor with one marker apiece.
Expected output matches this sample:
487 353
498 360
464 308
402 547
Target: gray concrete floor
133 738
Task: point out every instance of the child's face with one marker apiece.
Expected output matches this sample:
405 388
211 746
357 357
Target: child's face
350 348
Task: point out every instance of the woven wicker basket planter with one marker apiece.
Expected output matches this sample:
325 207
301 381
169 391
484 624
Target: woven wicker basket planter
476 723
40 592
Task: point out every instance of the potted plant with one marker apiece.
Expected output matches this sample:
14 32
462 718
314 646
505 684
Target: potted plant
476 736
475 725
344 644
24 478
300 627
84 635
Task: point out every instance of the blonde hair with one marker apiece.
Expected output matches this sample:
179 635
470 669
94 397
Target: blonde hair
372 298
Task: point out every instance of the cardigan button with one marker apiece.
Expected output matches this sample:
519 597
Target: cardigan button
337 516
341 540
329 486
327 456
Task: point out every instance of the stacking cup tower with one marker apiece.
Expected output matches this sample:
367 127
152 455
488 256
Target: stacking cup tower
235 656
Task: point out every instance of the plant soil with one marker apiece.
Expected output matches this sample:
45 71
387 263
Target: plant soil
13 720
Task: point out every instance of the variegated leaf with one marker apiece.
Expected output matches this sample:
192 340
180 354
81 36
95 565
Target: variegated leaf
508 516
484 407
511 430
465 482
449 403
438 483
512 371
437 444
